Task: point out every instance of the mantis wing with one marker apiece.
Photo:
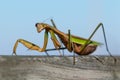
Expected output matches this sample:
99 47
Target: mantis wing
80 40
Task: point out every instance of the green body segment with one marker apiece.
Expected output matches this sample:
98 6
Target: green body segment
79 40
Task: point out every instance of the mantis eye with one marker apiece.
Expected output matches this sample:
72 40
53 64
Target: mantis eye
36 24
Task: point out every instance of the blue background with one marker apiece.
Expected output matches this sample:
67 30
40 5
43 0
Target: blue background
18 18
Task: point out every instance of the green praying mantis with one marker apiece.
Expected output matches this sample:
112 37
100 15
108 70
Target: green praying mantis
72 43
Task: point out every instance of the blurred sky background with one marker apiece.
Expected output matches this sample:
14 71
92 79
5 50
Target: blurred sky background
18 18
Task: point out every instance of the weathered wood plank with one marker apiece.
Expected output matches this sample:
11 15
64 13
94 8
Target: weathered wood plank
58 68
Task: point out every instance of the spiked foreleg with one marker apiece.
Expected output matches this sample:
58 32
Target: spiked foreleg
30 45
27 44
15 46
54 39
45 41
57 43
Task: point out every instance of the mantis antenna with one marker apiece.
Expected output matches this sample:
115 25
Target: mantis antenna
47 19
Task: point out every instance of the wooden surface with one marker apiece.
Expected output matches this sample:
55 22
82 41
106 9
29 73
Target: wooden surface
58 68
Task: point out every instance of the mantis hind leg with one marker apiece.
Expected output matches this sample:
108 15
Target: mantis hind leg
27 44
99 25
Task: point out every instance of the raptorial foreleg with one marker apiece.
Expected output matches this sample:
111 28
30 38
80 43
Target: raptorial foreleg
32 46
27 44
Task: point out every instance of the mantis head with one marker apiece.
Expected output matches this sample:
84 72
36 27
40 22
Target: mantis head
41 26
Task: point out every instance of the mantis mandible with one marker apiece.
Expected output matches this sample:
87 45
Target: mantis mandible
79 45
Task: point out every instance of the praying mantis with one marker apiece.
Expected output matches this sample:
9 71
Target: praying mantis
72 43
